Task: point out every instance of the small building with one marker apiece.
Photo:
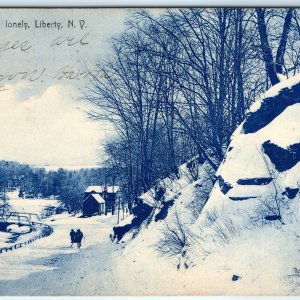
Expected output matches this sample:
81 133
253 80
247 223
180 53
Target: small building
93 204
108 193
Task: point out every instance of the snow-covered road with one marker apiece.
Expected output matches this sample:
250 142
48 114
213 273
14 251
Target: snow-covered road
50 267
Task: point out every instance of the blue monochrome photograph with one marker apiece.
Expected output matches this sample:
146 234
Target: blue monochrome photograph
150 151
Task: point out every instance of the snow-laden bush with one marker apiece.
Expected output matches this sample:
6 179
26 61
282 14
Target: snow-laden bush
176 237
225 230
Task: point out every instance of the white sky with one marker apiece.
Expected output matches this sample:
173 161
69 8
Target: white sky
43 122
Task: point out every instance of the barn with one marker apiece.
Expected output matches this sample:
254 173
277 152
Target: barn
93 204
108 193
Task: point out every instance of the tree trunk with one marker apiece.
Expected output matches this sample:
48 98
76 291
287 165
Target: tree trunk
265 47
283 41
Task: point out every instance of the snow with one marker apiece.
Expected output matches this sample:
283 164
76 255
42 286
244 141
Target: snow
246 159
34 206
231 237
97 197
250 163
224 237
174 185
4 238
264 258
291 177
281 77
268 267
284 130
100 189
258 269
49 266
126 220
66 167
212 276
14 228
19 234
151 273
274 91
250 191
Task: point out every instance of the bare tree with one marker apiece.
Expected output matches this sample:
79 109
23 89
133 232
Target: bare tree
209 74
177 85
273 67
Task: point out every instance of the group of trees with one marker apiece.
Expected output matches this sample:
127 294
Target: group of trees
178 83
68 186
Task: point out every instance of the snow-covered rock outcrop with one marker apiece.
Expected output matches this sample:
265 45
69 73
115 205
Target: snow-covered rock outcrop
259 176
244 237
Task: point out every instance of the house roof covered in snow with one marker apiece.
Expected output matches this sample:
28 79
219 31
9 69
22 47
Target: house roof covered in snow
97 197
101 188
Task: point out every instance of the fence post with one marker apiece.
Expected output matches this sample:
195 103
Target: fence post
48 230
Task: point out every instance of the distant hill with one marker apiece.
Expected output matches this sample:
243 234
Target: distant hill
64 183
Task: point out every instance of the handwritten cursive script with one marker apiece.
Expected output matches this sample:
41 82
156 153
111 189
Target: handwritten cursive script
15 45
70 41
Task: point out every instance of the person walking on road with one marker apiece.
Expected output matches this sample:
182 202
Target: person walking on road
73 237
79 236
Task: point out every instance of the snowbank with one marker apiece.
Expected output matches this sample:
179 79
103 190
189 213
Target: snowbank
34 206
14 228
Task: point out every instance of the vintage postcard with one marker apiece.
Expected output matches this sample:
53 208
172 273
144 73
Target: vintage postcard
149 151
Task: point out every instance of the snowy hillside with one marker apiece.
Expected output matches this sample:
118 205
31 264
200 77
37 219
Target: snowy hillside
180 194
246 239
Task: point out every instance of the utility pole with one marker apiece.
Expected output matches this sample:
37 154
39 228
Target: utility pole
113 203
118 209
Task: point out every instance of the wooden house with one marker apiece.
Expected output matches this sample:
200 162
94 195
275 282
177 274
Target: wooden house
93 204
108 193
